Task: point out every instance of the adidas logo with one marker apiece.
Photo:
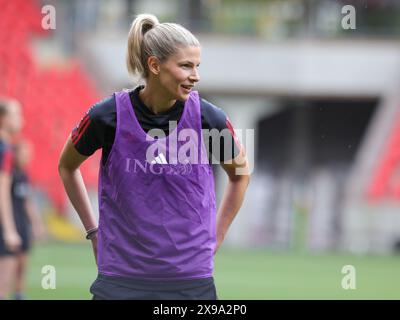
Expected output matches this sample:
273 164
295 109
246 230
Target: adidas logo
160 159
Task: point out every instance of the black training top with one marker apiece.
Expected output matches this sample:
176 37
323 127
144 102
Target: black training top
97 128
20 192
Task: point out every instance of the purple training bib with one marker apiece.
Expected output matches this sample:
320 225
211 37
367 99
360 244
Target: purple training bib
157 215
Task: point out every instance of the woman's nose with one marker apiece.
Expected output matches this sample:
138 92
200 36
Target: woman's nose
195 76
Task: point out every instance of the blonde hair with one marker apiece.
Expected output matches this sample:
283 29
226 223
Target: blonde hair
148 37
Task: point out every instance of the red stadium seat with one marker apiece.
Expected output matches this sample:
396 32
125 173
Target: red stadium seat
53 100
385 182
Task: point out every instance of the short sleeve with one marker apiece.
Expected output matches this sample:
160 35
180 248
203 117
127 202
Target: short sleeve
88 135
227 146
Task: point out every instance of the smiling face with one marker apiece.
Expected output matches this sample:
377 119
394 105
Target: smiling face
178 74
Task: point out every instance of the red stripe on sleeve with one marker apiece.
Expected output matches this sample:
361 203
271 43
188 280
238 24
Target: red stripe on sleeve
81 131
235 138
83 122
79 128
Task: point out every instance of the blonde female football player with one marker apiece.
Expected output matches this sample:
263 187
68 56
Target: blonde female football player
158 226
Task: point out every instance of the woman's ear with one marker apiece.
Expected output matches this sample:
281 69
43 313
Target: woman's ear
154 65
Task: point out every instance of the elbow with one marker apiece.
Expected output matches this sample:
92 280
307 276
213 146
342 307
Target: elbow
60 166
62 169
66 169
241 178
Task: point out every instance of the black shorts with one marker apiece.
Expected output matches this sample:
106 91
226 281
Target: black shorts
121 288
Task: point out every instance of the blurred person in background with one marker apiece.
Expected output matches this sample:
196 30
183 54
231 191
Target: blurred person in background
10 240
157 233
27 220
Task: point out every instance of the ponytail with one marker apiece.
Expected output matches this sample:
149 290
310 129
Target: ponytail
135 55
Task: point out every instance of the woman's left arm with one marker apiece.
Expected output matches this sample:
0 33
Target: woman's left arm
239 177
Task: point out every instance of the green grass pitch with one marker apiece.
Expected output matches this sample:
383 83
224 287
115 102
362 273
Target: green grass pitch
261 274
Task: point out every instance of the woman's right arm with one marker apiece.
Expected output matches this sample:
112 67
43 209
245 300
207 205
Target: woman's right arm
68 168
